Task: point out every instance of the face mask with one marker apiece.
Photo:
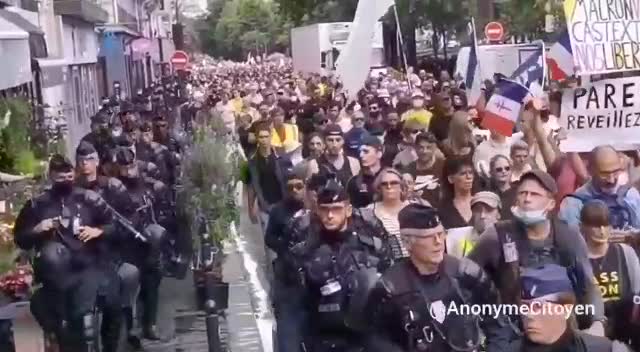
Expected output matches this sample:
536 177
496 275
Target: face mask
529 217
62 189
117 131
374 113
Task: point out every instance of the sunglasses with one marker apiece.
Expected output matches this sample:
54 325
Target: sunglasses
358 119
162 125
503 169
389 184
323 122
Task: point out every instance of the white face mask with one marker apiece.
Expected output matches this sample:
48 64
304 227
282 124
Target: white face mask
529 217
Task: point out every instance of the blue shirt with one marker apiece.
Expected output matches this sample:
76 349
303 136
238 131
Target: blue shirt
571 207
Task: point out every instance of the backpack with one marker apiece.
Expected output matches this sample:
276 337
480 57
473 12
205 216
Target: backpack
620 213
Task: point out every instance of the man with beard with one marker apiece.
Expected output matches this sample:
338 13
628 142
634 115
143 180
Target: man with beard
100 136
485 209
392 136
375 122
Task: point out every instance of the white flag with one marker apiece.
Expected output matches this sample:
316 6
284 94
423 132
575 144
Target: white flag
354 62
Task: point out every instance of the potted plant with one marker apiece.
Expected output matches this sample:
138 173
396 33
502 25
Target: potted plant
207 203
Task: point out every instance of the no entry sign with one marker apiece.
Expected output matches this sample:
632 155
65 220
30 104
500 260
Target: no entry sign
494 31
179 60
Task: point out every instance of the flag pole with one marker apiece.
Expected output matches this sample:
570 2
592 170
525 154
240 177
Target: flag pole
475 44
404 56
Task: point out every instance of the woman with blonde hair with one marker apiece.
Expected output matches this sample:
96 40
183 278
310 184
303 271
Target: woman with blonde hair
391 197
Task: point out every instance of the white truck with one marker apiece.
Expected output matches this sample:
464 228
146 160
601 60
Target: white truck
315 48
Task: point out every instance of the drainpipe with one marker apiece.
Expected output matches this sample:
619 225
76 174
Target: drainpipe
115 12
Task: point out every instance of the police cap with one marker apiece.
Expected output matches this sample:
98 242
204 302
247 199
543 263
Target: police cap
418 216
86 150
332 192
59 163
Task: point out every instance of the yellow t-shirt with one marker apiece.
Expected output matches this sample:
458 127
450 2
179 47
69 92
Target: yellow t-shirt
238 104
421 116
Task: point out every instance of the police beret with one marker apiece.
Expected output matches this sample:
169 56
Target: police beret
332 192
85 149
59 163
418 216
548 282
316 181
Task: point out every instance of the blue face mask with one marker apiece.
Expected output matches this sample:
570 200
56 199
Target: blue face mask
529 217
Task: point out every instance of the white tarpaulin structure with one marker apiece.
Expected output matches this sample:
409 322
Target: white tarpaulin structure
354 62
15 54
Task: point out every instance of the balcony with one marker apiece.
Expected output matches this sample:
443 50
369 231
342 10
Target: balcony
85 10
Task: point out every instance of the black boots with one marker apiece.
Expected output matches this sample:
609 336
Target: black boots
133 337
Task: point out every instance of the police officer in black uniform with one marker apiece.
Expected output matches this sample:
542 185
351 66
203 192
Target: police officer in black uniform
411 305
162 134
115 194
338 265
156 153
70 229
549 293
100 136
145 198
285 288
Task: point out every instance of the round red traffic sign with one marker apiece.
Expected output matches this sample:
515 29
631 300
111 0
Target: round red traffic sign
179 59
494 31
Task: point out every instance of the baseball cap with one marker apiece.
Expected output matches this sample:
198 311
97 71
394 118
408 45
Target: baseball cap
371 141
550 282
489 198
333 130
417 94
543 178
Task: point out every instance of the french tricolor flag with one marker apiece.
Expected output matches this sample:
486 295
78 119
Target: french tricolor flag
560 58
473 81
503 108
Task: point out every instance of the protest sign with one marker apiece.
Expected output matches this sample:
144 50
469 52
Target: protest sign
605 35
605 112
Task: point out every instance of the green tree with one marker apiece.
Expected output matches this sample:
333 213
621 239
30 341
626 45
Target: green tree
234 28
527 17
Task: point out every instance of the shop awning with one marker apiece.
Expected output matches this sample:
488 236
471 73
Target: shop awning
15 54
37 43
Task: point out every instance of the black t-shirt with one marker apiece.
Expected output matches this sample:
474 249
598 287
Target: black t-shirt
450 216
268 180
612 278
427 181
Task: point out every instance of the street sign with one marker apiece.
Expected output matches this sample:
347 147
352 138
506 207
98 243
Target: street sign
179 60
494 31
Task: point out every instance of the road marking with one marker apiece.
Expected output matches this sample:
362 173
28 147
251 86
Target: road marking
265 324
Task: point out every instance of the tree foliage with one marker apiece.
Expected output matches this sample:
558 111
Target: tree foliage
235 28
527 17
